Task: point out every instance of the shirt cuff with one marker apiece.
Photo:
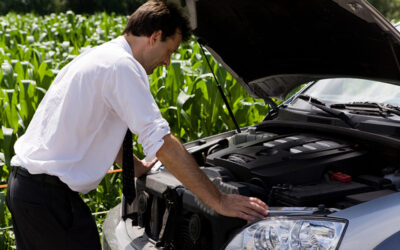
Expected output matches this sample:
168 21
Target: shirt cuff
152 139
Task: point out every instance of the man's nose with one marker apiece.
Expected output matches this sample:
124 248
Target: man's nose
167 62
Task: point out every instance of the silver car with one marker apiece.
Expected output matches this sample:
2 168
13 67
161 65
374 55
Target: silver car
326 161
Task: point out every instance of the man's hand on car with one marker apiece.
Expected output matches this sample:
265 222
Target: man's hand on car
246 208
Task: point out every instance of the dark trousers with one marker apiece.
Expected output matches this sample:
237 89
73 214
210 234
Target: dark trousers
49 215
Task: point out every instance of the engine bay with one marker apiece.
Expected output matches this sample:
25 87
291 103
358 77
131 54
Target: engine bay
293 169
303 169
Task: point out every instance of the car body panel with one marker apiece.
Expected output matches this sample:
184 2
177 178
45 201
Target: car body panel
370 223
390 243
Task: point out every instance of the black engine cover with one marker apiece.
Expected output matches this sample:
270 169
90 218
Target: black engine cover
294 159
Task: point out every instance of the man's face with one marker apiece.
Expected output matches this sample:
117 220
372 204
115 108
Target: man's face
159 52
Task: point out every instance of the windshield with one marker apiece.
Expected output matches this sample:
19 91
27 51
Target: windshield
347 90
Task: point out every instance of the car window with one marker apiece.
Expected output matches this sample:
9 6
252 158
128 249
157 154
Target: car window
346 90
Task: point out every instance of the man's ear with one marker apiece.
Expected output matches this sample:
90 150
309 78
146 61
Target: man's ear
155 36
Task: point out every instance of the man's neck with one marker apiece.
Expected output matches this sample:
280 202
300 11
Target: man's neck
137 44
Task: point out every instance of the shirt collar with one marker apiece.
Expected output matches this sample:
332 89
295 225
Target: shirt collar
121 40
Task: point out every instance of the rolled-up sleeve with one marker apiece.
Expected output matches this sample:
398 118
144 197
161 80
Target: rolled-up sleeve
128 94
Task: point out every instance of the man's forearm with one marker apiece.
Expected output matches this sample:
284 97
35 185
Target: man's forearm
118 159
183 166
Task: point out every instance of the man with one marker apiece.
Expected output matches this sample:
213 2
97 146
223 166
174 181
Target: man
77 132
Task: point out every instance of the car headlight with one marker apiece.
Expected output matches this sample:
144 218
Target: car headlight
291 233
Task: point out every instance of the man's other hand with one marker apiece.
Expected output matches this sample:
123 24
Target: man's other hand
142 167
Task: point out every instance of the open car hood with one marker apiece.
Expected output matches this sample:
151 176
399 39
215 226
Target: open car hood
271 46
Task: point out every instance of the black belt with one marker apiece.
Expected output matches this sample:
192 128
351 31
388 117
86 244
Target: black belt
49 179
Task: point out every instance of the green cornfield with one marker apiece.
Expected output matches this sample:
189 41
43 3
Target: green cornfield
33 49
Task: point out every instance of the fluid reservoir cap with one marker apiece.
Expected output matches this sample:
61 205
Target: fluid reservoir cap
252 130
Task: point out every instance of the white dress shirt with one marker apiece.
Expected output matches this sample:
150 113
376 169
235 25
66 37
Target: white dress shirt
81 122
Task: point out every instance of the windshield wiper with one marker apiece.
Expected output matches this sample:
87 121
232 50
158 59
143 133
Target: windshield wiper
321 105
369 107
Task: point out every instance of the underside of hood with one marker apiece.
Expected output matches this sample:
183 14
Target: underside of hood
272 46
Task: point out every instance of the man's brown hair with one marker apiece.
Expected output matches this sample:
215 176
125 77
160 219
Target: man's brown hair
158 15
